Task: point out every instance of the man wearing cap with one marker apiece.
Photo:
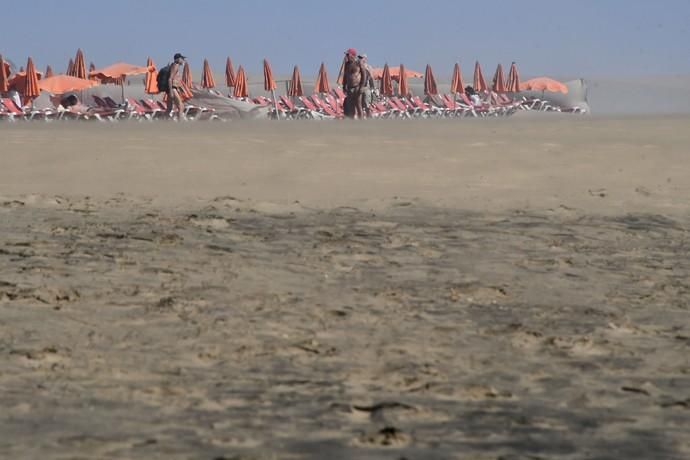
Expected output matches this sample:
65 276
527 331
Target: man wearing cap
174 85
354 79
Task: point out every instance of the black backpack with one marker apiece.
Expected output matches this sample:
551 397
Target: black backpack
163 78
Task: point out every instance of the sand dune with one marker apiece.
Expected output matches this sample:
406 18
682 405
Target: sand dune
491 289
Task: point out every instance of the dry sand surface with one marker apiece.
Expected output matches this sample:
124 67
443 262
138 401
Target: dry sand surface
485 289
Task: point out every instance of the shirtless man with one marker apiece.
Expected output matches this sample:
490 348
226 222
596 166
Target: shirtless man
353 84
174 85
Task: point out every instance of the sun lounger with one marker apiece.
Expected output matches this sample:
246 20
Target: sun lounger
325 108
425 110
400 108
503 105
292 110
153 109
335 105
379 110
107 110
137 110
17 112
481 110
13 112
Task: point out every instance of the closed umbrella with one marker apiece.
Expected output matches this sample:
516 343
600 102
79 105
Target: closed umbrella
403 89
241 84
479 82
269 82
151 82
295 88
513 80
321 85
49 71
341 72
186 75
79 67
457 86
386 86
499 85
430 88
229 74
31 89
4 74
207 80
92 67
70 67
270 85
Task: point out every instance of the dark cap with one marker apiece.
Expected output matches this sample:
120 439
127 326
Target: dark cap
178 56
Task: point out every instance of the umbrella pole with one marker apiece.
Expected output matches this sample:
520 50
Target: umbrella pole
123 89
275 104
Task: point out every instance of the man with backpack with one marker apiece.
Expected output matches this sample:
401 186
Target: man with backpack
169 84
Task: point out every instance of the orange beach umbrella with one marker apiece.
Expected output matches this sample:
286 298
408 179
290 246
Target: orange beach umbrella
79 67
151 82
207 80
513 80
403 89
386 87
269 82
116 73
457 86
229 74
430 88
295 87
498 84
31 89
60 84
4 86
377 73
479 83
49 71
92 67
341 72
241 84
321 85
186 75
544 84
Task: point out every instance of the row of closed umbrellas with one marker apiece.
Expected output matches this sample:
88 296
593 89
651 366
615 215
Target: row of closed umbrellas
29 82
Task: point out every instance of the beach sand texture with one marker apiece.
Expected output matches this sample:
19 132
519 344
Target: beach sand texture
488 289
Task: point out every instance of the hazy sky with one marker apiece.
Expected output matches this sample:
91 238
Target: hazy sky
558 38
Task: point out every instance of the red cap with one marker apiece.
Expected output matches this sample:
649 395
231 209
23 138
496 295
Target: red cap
351 52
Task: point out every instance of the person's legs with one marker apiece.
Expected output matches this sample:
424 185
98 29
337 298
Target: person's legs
366 102
358 106
349 106
169 104
178 103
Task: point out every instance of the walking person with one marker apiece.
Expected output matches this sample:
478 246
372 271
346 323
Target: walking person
171 85
353 83
369 85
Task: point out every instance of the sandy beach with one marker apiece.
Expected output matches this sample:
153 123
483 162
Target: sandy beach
487 289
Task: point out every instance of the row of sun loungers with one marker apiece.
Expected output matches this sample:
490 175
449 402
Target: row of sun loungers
321 106
330 105
104 109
